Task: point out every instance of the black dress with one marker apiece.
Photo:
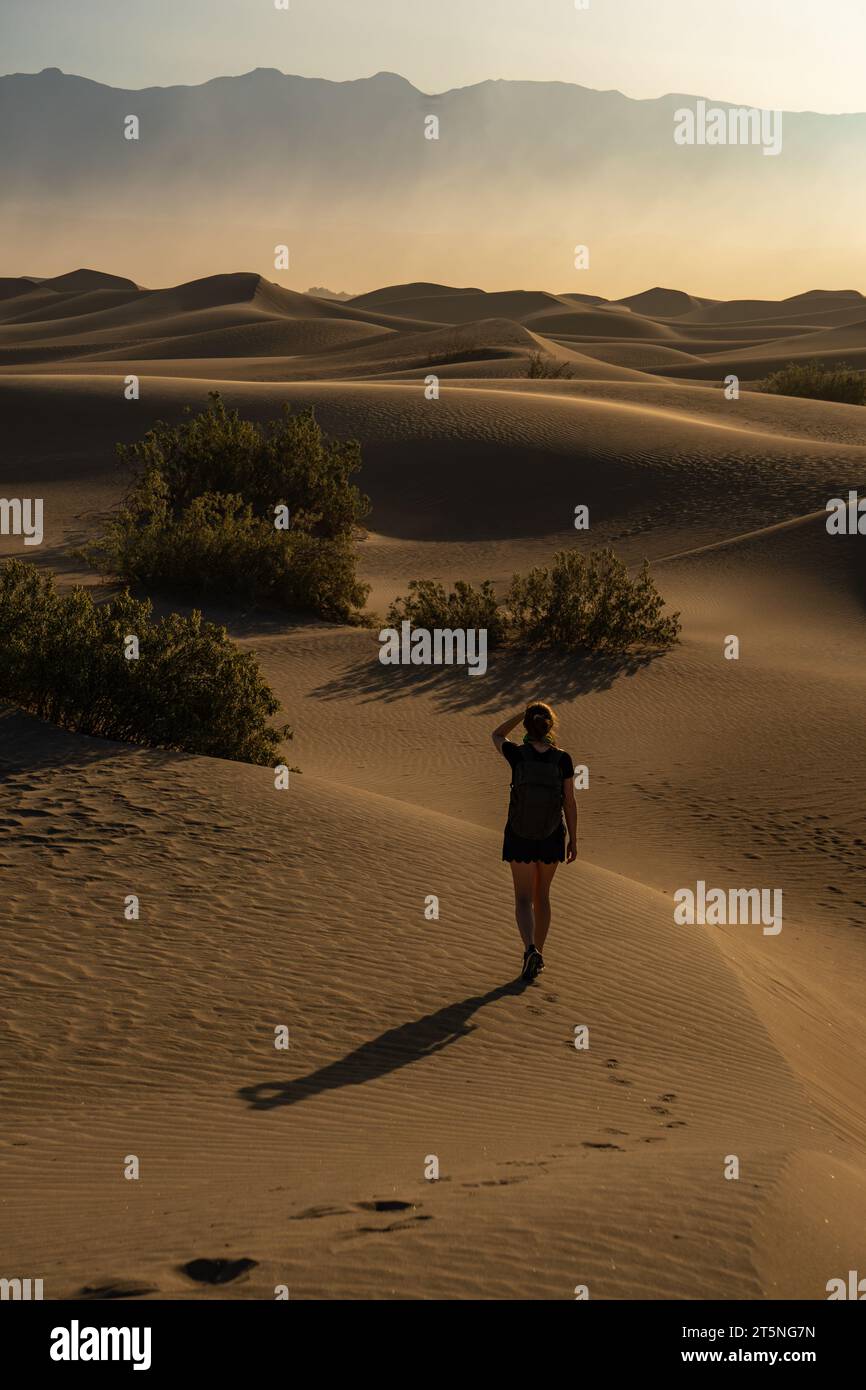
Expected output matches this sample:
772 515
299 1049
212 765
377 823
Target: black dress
550 850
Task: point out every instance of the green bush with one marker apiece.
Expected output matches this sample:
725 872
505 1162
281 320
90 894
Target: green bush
62 658
218 546
200 514
428 606
589 603
818 382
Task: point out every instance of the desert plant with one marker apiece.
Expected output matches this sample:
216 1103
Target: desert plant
63 658
588 603
217 545
200 513
542 365
818 382
427 605
579 603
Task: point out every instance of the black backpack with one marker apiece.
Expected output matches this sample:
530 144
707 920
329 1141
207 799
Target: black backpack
535 808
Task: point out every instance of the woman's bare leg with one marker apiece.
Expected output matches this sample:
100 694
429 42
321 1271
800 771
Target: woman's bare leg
524 888
541 901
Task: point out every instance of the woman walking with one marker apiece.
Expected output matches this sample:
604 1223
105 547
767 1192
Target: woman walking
542 790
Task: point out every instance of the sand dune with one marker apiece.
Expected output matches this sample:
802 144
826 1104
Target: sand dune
639 467
82 281
603 322
121 315
272 337
441 304
409 1037
641 356
813 302
827 342
11 286
663 303
385 1067
414 327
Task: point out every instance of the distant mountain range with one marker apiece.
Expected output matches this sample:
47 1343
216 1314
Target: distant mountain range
342 173
321 293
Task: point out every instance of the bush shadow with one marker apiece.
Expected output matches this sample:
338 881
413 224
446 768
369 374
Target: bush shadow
561 675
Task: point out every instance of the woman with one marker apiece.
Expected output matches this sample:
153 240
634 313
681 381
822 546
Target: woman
542 788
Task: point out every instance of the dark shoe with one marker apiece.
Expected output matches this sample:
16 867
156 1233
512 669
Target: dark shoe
539 962
530 968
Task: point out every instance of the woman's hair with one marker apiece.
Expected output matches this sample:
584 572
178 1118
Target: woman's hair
539 721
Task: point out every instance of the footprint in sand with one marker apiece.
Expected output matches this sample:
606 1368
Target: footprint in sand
395 1226
216 1271
496 1182
588 1144
121 1289
386 1205
316 1213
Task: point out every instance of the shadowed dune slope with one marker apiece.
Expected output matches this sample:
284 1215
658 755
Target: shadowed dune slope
470 453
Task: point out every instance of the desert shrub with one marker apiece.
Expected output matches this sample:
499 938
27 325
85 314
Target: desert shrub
818 382
217 545
579 603
319 576
427 605
62 658
588 603
200 513
543 365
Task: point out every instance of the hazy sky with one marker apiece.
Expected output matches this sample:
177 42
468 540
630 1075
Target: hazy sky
793 54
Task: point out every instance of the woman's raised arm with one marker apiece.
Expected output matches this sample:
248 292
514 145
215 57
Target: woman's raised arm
503 730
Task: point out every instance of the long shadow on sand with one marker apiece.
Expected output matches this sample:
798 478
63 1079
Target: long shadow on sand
561 675
399 1047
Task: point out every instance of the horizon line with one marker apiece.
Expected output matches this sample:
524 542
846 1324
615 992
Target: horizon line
433 284
385 72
